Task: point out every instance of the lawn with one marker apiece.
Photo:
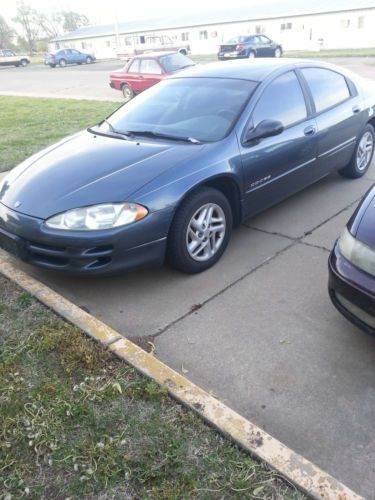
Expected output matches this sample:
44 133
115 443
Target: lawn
29 124
76 422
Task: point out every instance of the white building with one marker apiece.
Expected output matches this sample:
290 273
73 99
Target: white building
295 24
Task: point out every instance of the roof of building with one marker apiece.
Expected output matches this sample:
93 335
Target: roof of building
259 10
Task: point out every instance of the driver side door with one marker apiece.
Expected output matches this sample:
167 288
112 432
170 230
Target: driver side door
276 167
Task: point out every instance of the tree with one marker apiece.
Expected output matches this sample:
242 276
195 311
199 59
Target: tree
50 25
27 17
6 34
73 20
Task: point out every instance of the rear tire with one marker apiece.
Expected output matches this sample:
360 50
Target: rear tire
127 92
362 156
200 231
88 60
62 63
277 52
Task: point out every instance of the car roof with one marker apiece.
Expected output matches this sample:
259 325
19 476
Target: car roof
250 69
155 55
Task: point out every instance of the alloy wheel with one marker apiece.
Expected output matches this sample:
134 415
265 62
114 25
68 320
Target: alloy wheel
364 151
205 232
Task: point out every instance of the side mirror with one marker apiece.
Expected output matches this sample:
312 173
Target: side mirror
266 128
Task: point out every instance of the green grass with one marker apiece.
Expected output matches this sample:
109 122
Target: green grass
331 53
76 422
29 124
201 58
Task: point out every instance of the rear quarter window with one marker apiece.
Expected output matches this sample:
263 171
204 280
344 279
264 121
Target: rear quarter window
328 88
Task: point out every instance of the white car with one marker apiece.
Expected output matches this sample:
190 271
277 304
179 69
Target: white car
9 58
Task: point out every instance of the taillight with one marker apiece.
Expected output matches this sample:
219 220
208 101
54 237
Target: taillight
240 46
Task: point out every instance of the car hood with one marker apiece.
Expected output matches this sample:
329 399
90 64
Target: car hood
88 169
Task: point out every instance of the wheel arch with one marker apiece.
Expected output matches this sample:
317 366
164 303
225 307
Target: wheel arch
371 122
227 185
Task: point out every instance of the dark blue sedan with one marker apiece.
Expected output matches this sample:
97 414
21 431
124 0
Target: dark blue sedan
68 56
352 266
169 174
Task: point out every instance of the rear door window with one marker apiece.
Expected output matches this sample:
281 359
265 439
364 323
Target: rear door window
282 100
134 67
327 87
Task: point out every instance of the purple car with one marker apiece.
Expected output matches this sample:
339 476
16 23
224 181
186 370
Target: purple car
352 267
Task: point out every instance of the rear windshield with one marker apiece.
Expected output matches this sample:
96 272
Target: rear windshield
239 39
201 108
175 62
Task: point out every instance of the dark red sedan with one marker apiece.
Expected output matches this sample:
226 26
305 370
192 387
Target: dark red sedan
143 71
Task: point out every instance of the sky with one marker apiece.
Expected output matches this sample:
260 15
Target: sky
102 11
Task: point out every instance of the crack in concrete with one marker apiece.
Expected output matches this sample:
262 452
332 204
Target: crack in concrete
223 290
294 241
320 247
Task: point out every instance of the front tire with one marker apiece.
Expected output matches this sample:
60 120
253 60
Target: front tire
251 54
200 231
277 52
362 156
88 60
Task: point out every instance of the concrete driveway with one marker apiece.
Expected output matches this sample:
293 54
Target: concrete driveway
259 331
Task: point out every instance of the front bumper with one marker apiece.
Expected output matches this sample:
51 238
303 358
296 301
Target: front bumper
140 244
352 291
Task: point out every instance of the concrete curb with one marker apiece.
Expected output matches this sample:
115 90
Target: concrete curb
302 473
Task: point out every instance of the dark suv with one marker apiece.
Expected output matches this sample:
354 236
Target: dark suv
249 46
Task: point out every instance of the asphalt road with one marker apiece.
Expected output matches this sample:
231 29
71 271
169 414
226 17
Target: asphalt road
258 329
87 81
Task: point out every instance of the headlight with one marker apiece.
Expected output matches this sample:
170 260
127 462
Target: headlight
357 253
103 216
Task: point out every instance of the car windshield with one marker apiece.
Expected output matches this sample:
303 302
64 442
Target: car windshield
201 108
174 62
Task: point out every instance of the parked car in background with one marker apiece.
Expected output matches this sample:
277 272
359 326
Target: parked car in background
352 261
143 71
68 56
168 175
249 46
142 44
9 58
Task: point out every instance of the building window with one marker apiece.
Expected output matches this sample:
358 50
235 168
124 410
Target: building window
128 41
108 43
185 36
361 22
213 34
260 28
286 26
203 35
344 23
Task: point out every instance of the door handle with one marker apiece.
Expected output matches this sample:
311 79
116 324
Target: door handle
356 109
309 130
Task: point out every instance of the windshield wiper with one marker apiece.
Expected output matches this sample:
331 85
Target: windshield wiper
150 133
113 130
